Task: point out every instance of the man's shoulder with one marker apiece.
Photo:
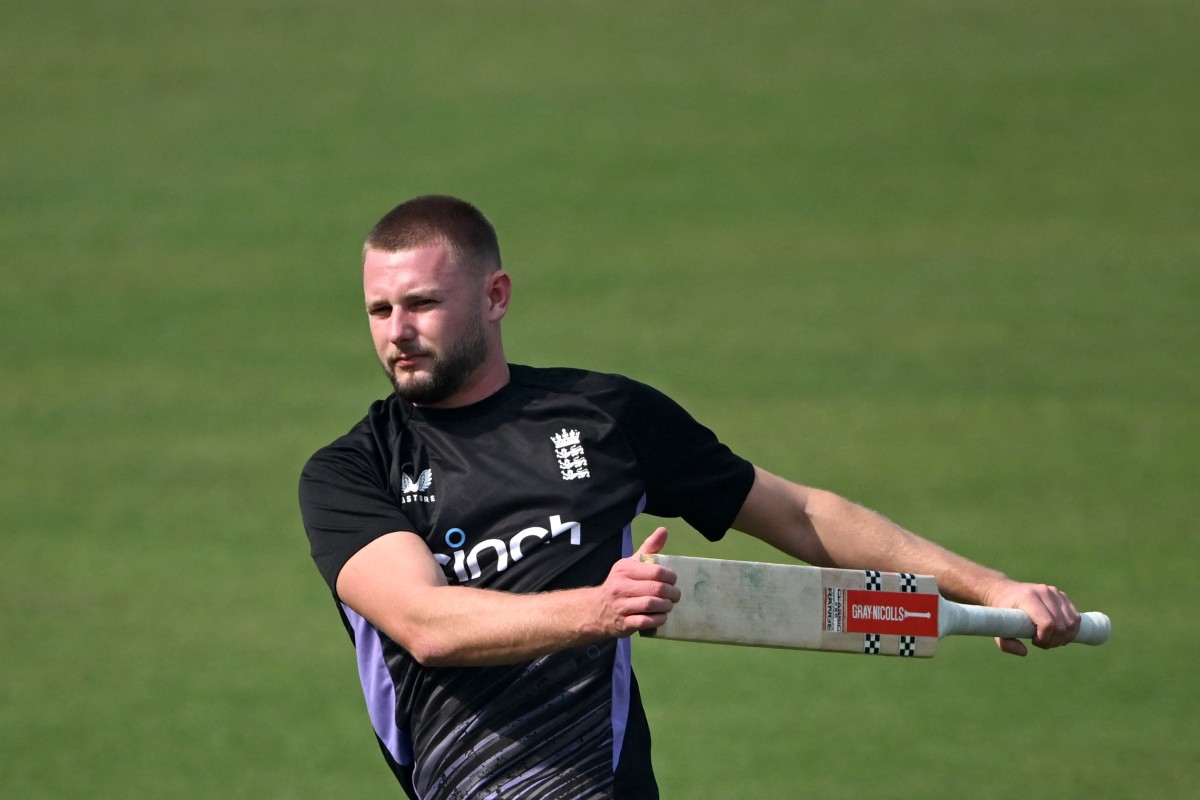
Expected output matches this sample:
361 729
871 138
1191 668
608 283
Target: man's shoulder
636 407
367 438
574 380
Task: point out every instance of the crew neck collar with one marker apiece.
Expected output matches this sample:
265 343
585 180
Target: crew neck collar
470 411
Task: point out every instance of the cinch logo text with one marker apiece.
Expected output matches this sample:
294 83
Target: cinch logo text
466 564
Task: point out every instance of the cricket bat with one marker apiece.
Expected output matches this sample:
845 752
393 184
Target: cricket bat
843 610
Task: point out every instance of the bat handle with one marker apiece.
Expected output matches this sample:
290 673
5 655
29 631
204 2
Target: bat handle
956 619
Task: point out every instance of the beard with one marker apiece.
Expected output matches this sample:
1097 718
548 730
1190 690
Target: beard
447 371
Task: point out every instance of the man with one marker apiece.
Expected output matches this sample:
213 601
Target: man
475 529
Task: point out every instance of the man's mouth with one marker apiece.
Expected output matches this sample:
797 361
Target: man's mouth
406 360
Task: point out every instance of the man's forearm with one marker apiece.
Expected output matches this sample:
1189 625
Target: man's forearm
826 529
856 537
466 627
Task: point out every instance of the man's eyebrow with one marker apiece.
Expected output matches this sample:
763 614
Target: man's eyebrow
414 293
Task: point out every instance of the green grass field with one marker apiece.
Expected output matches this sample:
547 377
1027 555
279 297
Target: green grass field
943 258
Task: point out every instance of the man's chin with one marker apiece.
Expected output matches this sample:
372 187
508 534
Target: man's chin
407 383
420 390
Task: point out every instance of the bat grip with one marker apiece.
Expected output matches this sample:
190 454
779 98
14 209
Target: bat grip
956 619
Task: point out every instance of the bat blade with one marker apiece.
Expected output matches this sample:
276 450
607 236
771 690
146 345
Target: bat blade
808 608
842 610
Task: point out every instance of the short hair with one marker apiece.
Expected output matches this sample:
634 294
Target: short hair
437 218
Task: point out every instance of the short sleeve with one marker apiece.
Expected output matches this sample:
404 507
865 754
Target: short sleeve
345 505
688 472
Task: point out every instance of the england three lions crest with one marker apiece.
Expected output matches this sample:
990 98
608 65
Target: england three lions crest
572 461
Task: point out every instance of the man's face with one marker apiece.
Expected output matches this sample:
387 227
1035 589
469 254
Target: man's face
427 321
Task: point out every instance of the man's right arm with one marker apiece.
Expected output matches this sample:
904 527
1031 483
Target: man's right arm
395 583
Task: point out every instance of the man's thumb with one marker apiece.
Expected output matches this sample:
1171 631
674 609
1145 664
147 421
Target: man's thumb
654 543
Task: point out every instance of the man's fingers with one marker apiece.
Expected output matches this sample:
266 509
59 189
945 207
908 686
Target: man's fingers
641 612
1051 611
646 604
1013 646
642 622
645 585
663 588
1057 633
1058 620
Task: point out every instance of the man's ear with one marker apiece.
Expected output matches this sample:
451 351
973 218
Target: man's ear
498 293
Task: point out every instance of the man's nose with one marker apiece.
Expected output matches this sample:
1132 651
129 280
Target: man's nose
400 328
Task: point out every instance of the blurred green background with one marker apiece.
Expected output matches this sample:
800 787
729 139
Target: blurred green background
942 258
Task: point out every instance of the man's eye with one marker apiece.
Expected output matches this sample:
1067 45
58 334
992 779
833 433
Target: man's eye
379 311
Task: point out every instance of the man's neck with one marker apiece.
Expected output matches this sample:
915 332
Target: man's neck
482 386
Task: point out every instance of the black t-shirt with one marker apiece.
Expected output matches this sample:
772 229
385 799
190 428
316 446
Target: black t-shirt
532 489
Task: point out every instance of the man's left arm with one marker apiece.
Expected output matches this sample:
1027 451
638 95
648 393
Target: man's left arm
827 530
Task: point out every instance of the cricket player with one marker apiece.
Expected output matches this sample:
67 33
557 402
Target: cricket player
475 530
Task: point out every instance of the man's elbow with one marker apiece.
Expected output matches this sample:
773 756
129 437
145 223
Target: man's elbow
428 652
427 648
441 642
